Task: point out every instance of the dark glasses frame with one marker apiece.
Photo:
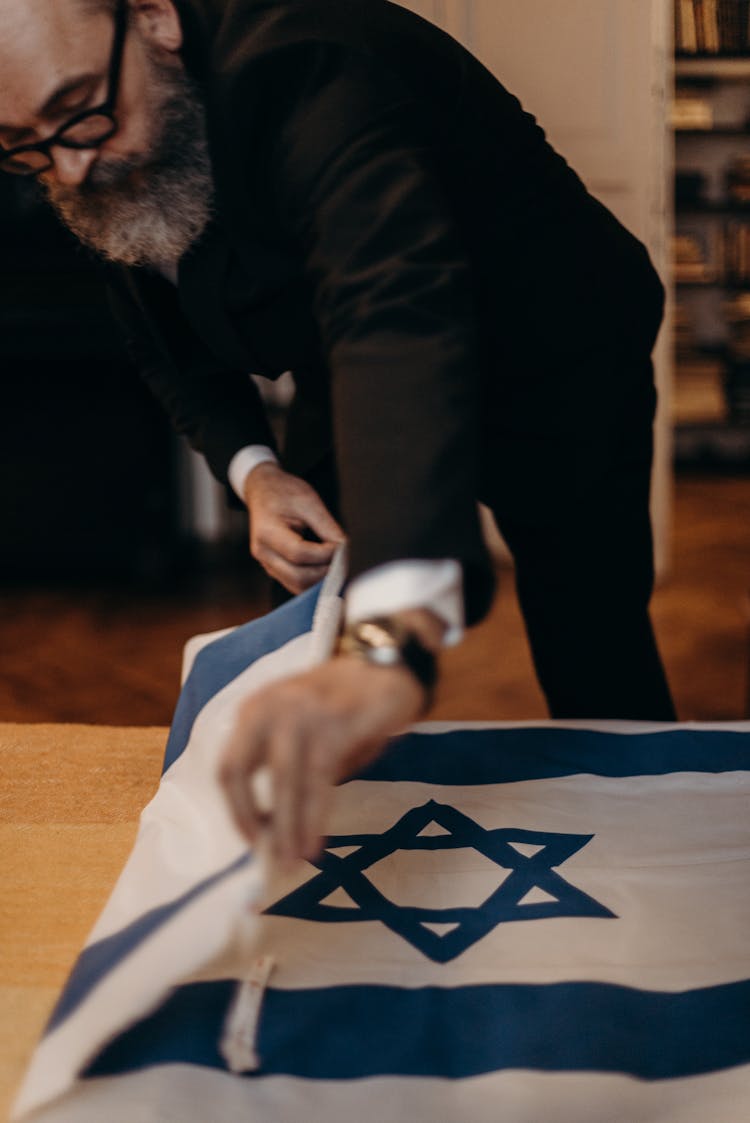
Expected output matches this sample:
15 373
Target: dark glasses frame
105 111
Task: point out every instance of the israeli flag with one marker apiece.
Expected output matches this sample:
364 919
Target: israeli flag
509 923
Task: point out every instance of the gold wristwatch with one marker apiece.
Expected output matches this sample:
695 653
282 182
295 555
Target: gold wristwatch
383 642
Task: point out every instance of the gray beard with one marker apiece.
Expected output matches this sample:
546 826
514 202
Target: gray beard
148 210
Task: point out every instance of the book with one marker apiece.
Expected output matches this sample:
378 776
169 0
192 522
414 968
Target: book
698 395
687 38
690 259
711 41
691 112
712 27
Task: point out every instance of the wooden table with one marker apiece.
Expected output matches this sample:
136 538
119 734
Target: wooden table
70 798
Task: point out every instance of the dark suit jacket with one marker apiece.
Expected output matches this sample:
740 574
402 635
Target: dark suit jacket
396 230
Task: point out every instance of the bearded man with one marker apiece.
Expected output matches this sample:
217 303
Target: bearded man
337 188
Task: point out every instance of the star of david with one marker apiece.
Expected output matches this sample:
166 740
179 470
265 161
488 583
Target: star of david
467 925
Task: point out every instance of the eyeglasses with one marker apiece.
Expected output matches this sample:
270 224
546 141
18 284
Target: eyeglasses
87 129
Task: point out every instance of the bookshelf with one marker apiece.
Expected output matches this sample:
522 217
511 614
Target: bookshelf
712 66
711 244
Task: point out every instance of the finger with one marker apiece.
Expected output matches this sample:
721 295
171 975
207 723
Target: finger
316 801
241 805
294 578
245 752
323 523
295 549
241 756
287 764
261 786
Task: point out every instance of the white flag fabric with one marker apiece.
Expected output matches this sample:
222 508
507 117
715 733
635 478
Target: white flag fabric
508 923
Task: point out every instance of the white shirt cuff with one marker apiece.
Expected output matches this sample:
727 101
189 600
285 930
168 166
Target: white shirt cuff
400 585
243 462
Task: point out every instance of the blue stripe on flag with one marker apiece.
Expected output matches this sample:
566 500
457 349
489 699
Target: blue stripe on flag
349 1032
101 958
221 661
502 756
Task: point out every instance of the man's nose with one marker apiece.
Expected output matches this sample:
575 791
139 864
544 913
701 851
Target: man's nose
71 165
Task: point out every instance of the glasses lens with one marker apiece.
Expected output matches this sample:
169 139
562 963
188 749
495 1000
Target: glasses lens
26 163
90 131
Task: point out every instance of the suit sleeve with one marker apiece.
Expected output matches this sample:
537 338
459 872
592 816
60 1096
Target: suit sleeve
393 301
218 410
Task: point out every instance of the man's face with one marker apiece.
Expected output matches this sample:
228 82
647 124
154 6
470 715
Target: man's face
145 195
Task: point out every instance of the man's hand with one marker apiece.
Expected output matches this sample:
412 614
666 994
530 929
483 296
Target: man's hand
282 507
311 732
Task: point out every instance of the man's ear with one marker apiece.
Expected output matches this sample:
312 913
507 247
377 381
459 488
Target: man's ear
159 23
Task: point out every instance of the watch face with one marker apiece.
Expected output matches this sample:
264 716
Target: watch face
378 643
374 634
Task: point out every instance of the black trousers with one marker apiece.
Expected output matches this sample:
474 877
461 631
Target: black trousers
567 465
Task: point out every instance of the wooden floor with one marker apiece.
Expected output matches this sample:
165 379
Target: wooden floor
112 656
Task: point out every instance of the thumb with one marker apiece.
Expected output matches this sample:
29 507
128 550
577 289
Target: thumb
320 519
